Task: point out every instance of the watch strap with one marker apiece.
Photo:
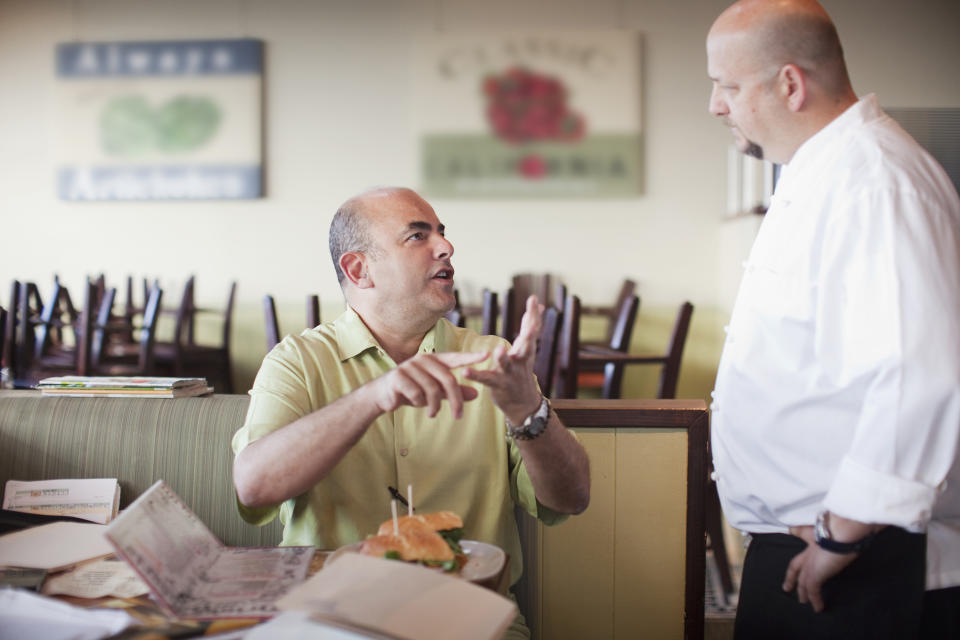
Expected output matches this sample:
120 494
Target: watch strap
533 426
824 539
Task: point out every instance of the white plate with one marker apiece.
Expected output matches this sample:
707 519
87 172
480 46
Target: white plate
483 560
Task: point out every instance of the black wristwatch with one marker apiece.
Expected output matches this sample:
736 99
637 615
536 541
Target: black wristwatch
533 426
824 539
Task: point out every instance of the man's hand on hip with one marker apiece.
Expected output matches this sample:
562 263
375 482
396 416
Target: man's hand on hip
812 567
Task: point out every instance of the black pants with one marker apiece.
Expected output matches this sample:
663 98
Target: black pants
879 595
941 614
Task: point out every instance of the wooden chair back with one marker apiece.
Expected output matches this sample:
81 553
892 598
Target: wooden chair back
627 290
28 317
670 374
148 333
313 310
9 355
548 289
488 313
85 334
270 323
3 337
456 316
101 326
568 352
228 318
594 359
545 362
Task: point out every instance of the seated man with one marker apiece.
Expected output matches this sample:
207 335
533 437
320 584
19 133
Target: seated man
353 406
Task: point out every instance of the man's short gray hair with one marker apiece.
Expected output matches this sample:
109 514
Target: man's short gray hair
349 231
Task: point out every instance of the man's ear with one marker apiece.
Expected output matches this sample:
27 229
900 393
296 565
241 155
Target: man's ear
354 266
793 86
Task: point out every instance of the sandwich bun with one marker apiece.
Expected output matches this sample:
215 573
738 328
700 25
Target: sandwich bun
411 546
437 521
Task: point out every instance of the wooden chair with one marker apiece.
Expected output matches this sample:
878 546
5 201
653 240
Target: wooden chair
614 362
593 359
49 347
548 289
105 361
627 289
272 324
35 346
184 357
31 329
565 379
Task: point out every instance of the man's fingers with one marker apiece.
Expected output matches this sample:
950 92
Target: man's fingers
816 598
487 378
526 342
448 386
455 359
793 570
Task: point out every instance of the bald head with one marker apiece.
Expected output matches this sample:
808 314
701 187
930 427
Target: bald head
350 227
774 33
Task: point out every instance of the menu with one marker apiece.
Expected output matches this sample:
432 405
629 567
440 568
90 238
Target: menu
93 499
190 572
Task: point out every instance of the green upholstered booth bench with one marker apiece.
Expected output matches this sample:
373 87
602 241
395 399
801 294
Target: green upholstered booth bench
183 441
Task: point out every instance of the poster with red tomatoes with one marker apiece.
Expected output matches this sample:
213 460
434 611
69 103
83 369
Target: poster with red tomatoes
533 114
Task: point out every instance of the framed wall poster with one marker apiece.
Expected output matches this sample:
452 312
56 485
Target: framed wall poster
529 114
160 120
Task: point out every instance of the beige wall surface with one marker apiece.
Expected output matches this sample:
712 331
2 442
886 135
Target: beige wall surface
338 110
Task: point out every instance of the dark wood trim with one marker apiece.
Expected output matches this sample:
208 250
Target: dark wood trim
671 414
587 413
697 466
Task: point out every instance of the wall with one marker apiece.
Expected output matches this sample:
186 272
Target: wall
338 106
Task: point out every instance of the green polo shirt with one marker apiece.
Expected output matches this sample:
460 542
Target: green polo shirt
464 465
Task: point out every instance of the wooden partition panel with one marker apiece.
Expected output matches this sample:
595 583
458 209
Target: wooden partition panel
632 565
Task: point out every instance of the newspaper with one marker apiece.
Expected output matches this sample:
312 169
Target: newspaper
190 572
98 579
93 499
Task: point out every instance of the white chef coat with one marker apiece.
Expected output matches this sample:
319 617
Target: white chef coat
839 383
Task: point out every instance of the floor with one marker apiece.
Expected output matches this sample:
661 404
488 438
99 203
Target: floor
719 610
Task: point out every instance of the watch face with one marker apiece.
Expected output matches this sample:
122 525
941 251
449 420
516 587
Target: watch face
820 531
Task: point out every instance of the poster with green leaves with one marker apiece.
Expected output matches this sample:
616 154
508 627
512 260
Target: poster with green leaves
529 114
161 120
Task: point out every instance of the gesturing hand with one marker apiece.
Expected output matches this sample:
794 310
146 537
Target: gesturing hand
511 379
812 567
424 381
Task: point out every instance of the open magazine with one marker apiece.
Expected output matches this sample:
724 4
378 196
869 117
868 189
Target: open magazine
190 572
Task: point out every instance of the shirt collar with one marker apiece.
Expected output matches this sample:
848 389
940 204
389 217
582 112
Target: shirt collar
353 336
864 109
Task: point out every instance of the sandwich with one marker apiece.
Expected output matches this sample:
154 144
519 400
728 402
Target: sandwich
432 540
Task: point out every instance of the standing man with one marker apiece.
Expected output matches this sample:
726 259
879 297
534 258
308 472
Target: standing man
837 403
377 398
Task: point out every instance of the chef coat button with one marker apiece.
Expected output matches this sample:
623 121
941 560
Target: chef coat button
714 407
726 329
404 452
714 476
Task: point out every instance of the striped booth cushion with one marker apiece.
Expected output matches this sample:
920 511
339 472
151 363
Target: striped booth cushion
183 441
